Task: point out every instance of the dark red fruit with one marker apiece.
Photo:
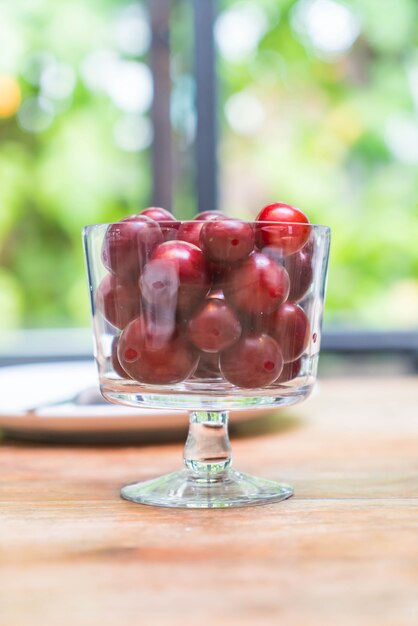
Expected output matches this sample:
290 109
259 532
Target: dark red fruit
227 241
290 371
158 214
187 259
210 215
160 324
208 366
159 284
128 245
118 302
168 223
189 263
115 360
150 357
255 361
214 327
290 235
190 232
257 285
290 327
299 268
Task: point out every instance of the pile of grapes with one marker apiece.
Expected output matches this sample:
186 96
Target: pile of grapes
210 298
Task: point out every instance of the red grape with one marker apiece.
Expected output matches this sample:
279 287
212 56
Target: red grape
289 234
290 327
160 283
227 241
168 223
290 371
255 361
158 214
160 324
299 268
190 232
118 302
187 259
128 244
257 285
149 359
115 360
214 327
189 263
210 215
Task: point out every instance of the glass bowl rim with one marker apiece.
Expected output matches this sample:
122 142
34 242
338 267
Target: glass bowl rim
88 228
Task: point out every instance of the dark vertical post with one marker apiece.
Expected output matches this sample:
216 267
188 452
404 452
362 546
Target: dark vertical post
206 104
160 113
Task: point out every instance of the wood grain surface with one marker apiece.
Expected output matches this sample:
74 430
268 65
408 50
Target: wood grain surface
343 551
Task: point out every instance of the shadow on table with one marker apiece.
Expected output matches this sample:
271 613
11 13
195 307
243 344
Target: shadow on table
272 422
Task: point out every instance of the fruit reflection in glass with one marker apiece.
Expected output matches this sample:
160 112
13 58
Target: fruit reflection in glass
207 315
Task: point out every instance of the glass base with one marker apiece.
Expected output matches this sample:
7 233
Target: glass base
182 490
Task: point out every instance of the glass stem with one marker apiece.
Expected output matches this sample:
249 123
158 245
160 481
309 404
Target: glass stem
207 453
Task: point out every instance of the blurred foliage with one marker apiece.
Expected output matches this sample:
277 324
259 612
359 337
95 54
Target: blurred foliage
325 113
318 107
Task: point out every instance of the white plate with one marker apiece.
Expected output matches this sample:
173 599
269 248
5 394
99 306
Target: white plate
23 387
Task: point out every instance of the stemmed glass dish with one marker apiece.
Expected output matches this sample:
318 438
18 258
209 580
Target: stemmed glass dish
206 315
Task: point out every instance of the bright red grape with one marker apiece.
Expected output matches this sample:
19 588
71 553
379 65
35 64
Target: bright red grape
187 259
290 235
254 361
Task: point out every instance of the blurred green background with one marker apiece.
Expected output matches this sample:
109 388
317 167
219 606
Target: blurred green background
318 106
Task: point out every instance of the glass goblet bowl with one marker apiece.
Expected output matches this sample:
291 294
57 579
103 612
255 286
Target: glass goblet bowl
206 316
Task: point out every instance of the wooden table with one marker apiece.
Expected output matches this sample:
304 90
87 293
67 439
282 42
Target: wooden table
343 551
